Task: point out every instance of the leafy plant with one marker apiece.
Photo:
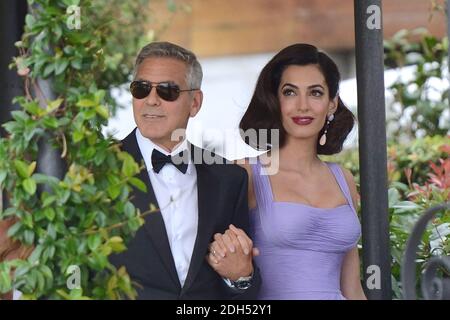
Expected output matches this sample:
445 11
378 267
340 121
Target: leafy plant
87 215
405 213
420 102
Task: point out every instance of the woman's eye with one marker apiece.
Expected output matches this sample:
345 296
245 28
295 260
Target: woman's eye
288 92
316 93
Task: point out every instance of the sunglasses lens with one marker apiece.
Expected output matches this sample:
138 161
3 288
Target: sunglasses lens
167 91
140 89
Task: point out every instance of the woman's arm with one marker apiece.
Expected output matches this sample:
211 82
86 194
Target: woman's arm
350 275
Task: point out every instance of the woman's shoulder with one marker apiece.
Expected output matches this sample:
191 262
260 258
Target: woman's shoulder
347 173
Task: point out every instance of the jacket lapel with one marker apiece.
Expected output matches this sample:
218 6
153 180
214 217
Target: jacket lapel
154 223
207 210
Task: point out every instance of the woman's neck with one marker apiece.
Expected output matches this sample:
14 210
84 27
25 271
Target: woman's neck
299 155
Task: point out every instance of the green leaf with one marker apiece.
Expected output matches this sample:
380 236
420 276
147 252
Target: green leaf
28 237
116 244
21 168
20 116
138 184
48 274
102 111
129 209
48 253
57 31
3 175
12 231
86 103
48 70
114 191
76 63
52 105
89 114
8 212
129 167
5 281
51 123
61 66
36 254
94 241
49 213
42 178
48 200
29 185
30 21
22 270
51 231
33 108
99 96
64 197
40 281
27 220
77 136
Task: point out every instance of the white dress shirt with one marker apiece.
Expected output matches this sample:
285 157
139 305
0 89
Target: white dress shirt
177 198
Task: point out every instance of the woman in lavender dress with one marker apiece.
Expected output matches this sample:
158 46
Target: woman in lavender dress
302 215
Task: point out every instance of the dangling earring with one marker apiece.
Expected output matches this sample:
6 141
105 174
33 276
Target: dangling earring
323 138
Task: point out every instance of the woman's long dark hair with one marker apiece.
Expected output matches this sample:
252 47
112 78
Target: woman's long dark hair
264 109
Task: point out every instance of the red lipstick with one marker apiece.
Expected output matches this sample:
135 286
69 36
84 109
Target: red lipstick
303 121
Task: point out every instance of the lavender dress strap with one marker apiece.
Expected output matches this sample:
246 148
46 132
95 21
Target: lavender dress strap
340 178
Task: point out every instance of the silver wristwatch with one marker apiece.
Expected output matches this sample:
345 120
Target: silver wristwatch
242 283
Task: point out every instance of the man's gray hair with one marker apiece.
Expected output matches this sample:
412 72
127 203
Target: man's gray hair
194 72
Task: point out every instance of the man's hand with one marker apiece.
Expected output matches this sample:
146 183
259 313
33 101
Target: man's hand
229 254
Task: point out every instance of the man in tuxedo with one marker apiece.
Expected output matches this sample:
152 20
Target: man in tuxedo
167 256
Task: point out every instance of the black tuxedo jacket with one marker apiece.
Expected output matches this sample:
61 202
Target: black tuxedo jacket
222 200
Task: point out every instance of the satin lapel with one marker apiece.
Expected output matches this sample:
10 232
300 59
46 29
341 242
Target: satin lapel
154 223
208 194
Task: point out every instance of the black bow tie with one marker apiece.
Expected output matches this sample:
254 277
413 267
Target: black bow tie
159 160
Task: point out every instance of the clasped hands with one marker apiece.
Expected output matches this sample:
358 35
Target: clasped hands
231 254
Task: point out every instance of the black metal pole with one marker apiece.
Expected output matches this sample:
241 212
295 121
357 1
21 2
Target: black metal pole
372 149
12 20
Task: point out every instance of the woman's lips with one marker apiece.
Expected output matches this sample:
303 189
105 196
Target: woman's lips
303 121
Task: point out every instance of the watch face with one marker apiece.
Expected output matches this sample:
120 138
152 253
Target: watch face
242 285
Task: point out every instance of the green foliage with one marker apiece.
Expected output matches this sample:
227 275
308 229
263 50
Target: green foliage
414 155
419 178
87 215
406 204
414 158
417 96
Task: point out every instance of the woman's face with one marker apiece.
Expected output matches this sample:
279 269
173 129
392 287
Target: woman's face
304 101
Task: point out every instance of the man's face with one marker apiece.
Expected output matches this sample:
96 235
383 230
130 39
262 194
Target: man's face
157 118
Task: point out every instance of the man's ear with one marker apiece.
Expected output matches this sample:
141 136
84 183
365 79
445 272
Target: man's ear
196 103
333 105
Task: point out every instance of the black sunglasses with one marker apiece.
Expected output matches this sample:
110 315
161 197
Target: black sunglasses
165 90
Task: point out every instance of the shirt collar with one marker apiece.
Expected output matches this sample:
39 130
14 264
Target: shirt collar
146 146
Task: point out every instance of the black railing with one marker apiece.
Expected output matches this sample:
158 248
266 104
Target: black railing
433 286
